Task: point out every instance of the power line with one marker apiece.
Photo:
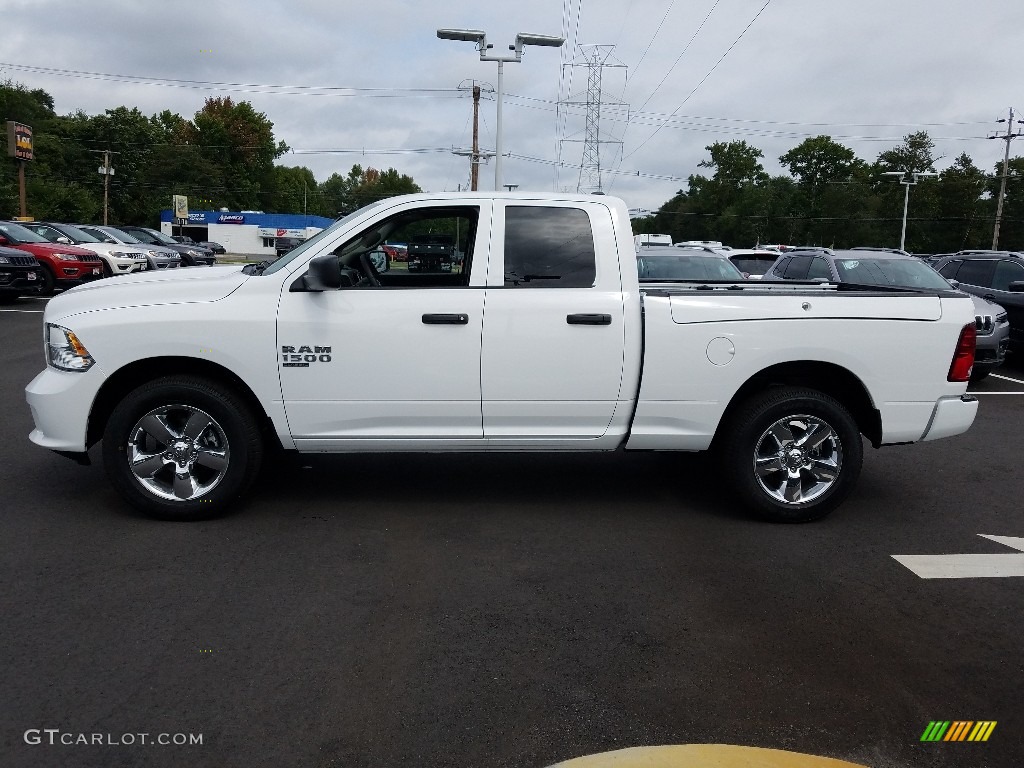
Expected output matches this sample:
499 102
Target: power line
651 41
704 79
280 90
681 53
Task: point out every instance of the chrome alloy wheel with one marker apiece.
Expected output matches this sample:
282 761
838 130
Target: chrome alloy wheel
797 459
178 452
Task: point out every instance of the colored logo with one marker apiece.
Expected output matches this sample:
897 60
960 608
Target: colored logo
230 218
958 730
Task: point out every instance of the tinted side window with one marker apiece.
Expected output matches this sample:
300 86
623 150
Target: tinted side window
780 269
977 272
1007 272
548 248
797 269
949 270
819 269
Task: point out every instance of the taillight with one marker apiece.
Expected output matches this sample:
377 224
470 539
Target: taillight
963 357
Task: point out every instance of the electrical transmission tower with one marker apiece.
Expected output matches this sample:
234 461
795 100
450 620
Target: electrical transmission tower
595 58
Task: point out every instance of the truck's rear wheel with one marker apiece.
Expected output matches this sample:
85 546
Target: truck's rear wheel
792 454
181 448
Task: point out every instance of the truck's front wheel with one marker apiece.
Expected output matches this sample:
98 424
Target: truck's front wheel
181 448
792 454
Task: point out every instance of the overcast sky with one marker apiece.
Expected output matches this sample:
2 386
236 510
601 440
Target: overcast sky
866 72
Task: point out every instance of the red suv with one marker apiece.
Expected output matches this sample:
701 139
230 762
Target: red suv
63 266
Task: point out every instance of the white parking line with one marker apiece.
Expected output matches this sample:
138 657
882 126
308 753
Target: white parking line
32 311
997 393
1005 378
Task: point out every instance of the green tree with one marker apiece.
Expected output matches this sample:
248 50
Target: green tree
239 142
820 160
914 155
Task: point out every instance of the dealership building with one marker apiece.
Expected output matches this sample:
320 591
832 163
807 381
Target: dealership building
246 232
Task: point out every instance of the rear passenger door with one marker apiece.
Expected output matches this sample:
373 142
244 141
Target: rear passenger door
1009 271
553 342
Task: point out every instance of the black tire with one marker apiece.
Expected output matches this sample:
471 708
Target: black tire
107 271
231 440
8 298
49 281
793 484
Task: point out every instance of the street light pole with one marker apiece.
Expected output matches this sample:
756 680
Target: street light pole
480 39
915 176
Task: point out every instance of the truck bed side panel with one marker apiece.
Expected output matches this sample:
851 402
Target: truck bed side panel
693 369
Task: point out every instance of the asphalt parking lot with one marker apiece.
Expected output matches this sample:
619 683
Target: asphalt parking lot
505 610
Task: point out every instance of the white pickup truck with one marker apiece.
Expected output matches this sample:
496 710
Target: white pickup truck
541 338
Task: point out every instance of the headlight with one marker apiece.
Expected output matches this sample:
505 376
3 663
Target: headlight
195 253
120 255
67 257
65 352
4 260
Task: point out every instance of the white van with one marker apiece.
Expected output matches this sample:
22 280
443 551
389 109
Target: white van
640 241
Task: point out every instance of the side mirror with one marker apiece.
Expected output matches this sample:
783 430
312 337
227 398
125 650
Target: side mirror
954 283
4 240
64 240
324 274
1017 286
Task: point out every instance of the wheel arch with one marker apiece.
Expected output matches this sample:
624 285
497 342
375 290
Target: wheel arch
139 372
828 378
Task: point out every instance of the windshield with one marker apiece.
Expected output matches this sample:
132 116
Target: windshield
305 246
76 234
161 238
119 236
903 273
18 233
753 265
686 268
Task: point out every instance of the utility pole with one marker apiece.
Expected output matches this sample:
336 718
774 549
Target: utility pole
107 172
1010 136
474 164
474 154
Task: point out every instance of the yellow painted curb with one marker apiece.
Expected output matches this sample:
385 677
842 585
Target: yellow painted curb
703 756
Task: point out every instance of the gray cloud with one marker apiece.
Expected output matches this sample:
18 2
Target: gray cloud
869 71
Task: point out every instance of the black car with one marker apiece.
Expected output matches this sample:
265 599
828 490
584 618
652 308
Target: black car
191 255
215 247
20 275
994 275
284 244
431 253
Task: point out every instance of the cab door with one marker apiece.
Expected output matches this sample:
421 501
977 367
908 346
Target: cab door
553 348
394 365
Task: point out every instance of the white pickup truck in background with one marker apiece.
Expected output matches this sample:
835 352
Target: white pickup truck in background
540 339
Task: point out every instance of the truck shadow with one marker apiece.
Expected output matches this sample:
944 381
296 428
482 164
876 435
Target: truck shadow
614 480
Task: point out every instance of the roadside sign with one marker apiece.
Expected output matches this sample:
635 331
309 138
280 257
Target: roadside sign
180 205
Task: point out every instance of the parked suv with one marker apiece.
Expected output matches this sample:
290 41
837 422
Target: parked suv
64 266
20 275
118 260
157 257
994 275
191 255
